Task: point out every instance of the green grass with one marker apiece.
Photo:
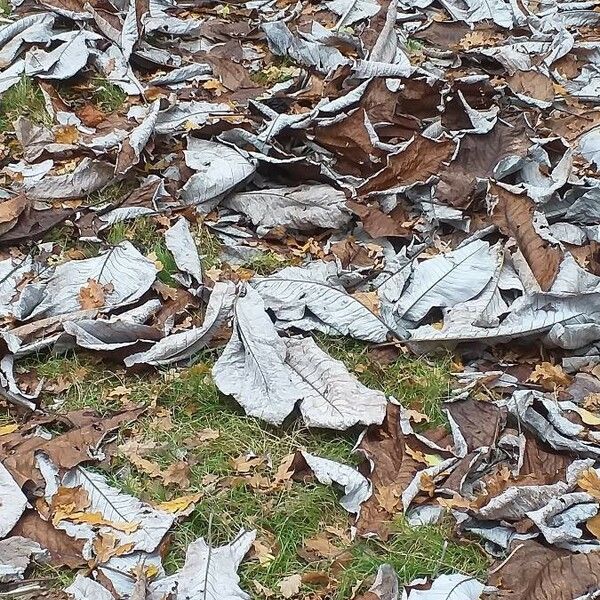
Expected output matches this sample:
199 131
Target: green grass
267 263
5 8
286 517
23 99
107 96
209 247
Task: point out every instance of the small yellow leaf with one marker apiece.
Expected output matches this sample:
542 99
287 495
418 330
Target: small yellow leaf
589 481
6 429
181 504
593 526
589 418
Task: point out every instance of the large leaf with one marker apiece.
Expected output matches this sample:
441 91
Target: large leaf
351 11
477 157
252 367
446 280
119 508
531 315
331 396
184 344
308 298
182 246
513 213
219 168
84 588
89 176
303 207
208 573
125 274
13 502
418 162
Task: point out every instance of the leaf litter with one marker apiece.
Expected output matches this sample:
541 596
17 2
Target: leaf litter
420 177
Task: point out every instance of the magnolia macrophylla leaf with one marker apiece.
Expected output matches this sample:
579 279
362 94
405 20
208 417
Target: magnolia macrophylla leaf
351 12
180 242
303 208
385 586
357 488
219 169
84 588
450 587
252 367
310 298
122 270
209 573
331 396
13 502
448 279
184 344
268 375
16 554
151 525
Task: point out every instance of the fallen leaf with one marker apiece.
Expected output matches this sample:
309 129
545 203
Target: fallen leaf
290 586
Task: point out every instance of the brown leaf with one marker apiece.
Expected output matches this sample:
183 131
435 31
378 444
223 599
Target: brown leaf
593 526
393 469
533 84
589 481
10 210
290 586
177 474
513 214
68 450
549 376
550 573
422 159
91 295
64 550
90 115
479 422
376 222
477 157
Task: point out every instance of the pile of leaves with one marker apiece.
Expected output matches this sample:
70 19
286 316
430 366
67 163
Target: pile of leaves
417 176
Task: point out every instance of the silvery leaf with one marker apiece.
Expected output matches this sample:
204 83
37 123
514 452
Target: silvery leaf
101 335
84 588
13 502
188 73
183 345
208 573
357 488
589 146
194 113
352 11
117 507
63 62
130 33
219 169
304 207
16 554
129 273
531 315
446 280
559 519
252 367
12 75
89 176
385 586
12 271
309 298
36 28
182 246
450 587
331 396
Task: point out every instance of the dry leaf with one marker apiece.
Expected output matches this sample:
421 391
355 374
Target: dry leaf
589 481
549 376
290 586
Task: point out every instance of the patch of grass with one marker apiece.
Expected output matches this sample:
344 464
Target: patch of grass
209 247
107 96
112 193
5 7
414 46
415 382
23 99
285 517
267 263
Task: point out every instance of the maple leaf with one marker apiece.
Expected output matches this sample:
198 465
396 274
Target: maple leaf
93 294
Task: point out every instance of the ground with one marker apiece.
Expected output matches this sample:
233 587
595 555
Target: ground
302 516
